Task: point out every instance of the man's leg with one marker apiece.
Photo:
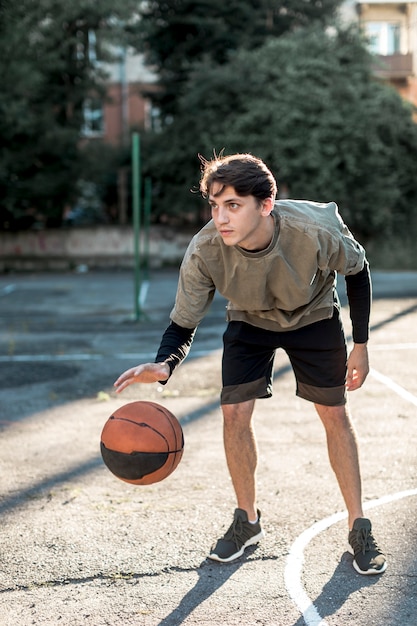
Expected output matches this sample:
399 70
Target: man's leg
344 459
241 456
343 454
241 453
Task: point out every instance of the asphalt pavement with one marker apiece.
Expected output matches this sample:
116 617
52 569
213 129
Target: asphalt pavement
78 546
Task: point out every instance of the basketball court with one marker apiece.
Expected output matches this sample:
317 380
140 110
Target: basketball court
79 546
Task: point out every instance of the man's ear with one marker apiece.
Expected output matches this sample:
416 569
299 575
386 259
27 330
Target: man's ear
267 206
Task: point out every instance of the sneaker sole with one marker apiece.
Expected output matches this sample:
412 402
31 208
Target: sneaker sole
370 571
236 555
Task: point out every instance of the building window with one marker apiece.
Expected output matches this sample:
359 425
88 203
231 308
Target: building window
93 125
155 118
87 46
384 37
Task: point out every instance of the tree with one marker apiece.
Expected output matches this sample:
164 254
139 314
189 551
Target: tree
307 104
48 52
174 34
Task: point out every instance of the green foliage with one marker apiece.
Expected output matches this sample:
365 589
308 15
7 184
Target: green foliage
48 68
175 34
307 104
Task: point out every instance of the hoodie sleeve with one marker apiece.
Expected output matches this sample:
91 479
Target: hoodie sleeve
359 293
175 345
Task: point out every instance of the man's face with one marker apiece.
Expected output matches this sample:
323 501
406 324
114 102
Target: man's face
241 220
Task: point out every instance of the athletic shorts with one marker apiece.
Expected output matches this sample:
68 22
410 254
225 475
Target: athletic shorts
317 354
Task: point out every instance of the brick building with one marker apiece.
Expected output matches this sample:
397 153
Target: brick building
391 28
125 105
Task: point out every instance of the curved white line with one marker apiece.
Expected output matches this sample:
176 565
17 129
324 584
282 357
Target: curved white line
293 569
295 558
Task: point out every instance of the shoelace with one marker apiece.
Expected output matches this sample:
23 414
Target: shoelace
236 532
364 541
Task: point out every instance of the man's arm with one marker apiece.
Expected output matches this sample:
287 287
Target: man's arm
175 345
359 293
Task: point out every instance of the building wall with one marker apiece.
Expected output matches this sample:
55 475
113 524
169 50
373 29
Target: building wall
408 91
126 108
98 246
405 14
126 105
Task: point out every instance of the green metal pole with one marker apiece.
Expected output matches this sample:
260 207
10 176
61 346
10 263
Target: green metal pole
136 195
147 221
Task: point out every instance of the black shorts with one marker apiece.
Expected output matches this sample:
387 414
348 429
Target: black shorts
317 353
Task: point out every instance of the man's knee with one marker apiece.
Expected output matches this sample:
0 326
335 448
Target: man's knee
239 413
334 416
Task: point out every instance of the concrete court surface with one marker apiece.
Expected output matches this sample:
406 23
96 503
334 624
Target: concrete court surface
78 546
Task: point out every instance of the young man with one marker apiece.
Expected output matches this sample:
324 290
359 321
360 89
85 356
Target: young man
276 263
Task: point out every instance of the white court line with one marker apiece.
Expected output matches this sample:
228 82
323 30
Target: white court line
53 358
388 382
143 293
132 356
4 291
294 566
295 558
393 346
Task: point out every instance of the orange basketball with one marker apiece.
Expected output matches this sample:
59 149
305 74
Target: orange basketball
142 443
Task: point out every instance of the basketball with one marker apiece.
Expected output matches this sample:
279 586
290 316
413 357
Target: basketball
142 443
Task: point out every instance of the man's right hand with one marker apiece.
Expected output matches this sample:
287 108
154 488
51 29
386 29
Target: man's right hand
146 373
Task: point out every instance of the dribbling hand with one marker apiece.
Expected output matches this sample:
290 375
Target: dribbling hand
146 373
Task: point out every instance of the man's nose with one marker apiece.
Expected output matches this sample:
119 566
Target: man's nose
223 215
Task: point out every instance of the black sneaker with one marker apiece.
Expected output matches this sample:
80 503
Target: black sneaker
368 558
240 535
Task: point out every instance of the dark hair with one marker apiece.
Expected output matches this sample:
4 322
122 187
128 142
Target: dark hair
248 175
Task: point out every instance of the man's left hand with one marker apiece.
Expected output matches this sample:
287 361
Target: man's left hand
357 366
